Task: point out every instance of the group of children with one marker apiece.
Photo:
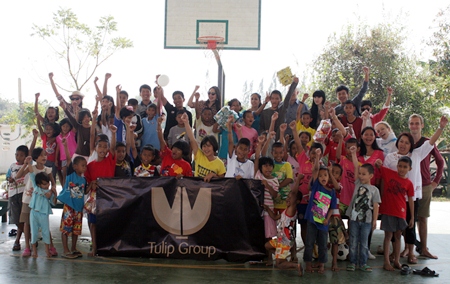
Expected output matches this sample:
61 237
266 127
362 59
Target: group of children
315 175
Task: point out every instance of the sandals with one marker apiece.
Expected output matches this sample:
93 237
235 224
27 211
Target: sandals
405 269
365 268
26 252
53 251
77 253
351 267
16 247
426 272
68 256
12 233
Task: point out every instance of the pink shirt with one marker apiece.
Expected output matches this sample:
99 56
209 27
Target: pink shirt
71 144
249 133
305 168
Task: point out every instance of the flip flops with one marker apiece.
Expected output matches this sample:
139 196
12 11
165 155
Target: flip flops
426 272
12 233
405 269
68 256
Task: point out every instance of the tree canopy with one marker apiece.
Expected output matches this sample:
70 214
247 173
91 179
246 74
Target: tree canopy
79 48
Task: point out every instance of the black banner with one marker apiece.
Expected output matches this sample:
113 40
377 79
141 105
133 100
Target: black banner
186 218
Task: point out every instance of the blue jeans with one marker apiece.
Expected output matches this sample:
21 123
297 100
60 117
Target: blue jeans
314 235
359 235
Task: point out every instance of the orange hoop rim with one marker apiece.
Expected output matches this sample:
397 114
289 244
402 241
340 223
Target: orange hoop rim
206 39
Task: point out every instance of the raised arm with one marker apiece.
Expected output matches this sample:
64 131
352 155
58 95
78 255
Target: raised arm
261 140
118 103
33 142
158 92
162 143
263 105
301 105
358 98
92 132
270 137
290 92
97 89
113 129
130 142
293 127
198 111
339 147
316 167
191 98
336 120
55 90
442 123
105 84
273 120
36 108
355 160
189 133
230 136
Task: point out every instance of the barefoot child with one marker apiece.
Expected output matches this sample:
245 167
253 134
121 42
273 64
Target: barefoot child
393 207
318 214
285 230
363 214
72 196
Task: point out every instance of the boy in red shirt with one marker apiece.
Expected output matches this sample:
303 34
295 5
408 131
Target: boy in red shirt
393 207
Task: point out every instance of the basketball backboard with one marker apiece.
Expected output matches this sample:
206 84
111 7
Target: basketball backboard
237 21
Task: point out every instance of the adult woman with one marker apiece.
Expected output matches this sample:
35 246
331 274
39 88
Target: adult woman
317 107
76 99
257 107
213 101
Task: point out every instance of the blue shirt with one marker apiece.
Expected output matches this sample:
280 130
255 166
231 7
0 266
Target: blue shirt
320 202
150 136
73 192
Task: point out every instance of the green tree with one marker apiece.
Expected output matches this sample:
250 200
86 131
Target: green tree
78 47
382 48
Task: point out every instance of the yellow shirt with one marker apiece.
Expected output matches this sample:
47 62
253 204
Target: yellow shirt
203 166
312 131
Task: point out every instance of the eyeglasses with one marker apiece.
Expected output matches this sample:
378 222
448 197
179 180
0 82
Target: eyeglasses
365 108
209 93
75 99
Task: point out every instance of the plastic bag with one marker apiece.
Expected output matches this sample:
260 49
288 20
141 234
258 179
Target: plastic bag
322 131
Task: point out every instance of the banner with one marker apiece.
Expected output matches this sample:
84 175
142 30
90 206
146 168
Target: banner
180 218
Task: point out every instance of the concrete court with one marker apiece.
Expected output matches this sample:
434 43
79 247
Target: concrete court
17 269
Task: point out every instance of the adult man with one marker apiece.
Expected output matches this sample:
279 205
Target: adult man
415 127
342 94
291 112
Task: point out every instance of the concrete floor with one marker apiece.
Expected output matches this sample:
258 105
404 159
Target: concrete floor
14 267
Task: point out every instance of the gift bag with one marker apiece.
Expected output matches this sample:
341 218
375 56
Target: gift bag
222 115
322 131
90 204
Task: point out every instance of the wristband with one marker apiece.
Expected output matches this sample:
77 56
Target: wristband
300 102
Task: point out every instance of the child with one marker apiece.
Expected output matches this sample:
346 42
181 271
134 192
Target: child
68 133
238 166
386 137
393 207
123 168
263 172
177 132
207 165
144 163
246 130
363 214
336 229
370 119
15 193
172 112
40 157
40 208
51 114
83 128
283 171
150 124
173 164
103 167
351 119
72 196
303 125
318 214
281 246
348 169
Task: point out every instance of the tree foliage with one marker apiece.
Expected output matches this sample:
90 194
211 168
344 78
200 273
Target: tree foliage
79 48
382 48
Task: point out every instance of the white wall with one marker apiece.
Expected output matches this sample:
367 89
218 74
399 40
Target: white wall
9 141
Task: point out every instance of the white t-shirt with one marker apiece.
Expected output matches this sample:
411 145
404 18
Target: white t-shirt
236 168
28 192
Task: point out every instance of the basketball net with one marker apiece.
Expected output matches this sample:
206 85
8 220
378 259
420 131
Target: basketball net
212 45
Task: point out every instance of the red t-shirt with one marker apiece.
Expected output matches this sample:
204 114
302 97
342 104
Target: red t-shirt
377 154
347 180
394 192
305 168
171 167
49 148
357 125
103 169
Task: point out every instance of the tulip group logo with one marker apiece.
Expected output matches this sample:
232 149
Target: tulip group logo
181 219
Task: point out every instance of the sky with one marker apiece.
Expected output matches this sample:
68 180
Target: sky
293 33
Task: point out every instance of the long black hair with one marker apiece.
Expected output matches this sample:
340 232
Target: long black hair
315 109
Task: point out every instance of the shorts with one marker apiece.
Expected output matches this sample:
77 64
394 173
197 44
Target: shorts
336 230
282 251
71 221
301 211
15 207
270 227
63 163
424 203
342 209
392 223
25 213
92 218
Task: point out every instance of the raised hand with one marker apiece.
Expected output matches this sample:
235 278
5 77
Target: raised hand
272 135
353 149
261 139
37 95
185 118
267 98
196 88
283 127
107 76
160 120
197 96
293 125
365 115
318 152
274 116
28 160
390 91
50 75
113 128
238 126
35 133
95 79
305 96
366 70
295 79
118 88
378 163
443 122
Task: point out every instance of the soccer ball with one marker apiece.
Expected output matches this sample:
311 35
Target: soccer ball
342 252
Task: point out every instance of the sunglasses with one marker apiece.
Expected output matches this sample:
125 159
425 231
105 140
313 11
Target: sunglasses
75 99
209 93
365 108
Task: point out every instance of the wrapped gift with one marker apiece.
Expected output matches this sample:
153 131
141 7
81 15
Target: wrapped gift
222 115
285 76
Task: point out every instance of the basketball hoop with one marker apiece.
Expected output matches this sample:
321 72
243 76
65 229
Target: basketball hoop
213 43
